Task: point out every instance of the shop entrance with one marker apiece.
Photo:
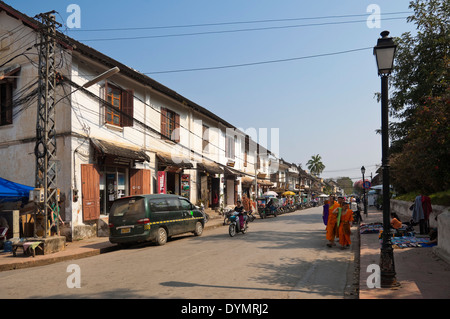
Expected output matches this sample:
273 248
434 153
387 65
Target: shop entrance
113 185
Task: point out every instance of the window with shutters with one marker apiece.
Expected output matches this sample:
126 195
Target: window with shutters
205 139
170 124
246 149
230 144
6 103
119 106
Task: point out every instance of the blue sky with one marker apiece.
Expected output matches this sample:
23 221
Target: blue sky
323 105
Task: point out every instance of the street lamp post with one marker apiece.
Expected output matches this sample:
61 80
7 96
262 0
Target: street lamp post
363 171
384 52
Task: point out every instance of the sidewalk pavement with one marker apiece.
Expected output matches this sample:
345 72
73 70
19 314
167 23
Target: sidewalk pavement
73 250
419 272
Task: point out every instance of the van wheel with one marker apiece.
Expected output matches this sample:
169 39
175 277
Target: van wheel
198 229
161 237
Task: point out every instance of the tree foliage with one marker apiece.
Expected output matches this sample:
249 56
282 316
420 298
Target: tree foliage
315 165
420 100
346 184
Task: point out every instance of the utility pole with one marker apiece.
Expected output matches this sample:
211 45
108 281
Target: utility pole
45 149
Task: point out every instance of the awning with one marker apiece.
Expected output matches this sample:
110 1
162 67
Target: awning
247 180
231 171
113 149
11 192
263 182
9 70
174 160
210 167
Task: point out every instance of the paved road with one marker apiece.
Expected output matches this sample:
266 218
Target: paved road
282 258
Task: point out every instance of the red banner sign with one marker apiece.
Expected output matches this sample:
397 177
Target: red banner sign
162 182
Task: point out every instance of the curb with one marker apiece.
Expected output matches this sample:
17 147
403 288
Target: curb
51 260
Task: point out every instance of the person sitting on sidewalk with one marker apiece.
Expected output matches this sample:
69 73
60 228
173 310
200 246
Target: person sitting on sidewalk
395 221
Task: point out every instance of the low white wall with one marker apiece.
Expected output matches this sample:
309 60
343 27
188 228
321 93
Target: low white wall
401 208
439 218
443 247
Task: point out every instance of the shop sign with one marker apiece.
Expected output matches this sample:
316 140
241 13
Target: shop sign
162 182
185 179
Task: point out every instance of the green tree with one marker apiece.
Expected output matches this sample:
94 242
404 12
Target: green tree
346 184
420 101
315 165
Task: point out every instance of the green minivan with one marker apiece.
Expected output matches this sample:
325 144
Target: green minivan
154 218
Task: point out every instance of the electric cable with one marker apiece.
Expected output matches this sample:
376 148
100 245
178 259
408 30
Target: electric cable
231 23
260 62
229 31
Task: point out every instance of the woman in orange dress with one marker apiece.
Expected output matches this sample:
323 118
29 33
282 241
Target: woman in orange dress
344 226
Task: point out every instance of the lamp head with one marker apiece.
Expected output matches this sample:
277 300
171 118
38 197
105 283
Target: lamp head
384 53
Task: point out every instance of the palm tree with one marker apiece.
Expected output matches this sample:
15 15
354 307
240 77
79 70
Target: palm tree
315 165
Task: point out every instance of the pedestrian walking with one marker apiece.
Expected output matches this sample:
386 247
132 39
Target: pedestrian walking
325 212
355 208
332 231
344 225
55 219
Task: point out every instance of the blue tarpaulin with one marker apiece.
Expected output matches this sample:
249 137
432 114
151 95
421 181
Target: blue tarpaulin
11 192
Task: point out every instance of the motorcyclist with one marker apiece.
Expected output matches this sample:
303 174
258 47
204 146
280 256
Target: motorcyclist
239 211
271 205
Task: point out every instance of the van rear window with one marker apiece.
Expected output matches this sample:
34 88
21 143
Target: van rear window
128 207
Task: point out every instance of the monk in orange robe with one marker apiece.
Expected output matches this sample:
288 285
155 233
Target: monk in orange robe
344 226
332 231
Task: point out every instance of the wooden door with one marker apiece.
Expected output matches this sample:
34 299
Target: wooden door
140 181
90 192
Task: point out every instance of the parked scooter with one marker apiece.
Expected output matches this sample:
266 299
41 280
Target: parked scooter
201 208
235 226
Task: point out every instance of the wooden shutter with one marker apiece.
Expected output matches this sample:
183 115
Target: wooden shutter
233 147
90 192
164 121
103 95
177 128
6 103
235 192
140 181
127 99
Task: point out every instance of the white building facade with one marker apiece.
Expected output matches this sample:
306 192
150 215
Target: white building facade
123 136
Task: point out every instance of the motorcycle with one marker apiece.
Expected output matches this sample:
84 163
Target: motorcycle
201 208
227 213
235 226
250 216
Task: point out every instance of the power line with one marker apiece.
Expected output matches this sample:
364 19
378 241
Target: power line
230 31
231 23
348 169
260 62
